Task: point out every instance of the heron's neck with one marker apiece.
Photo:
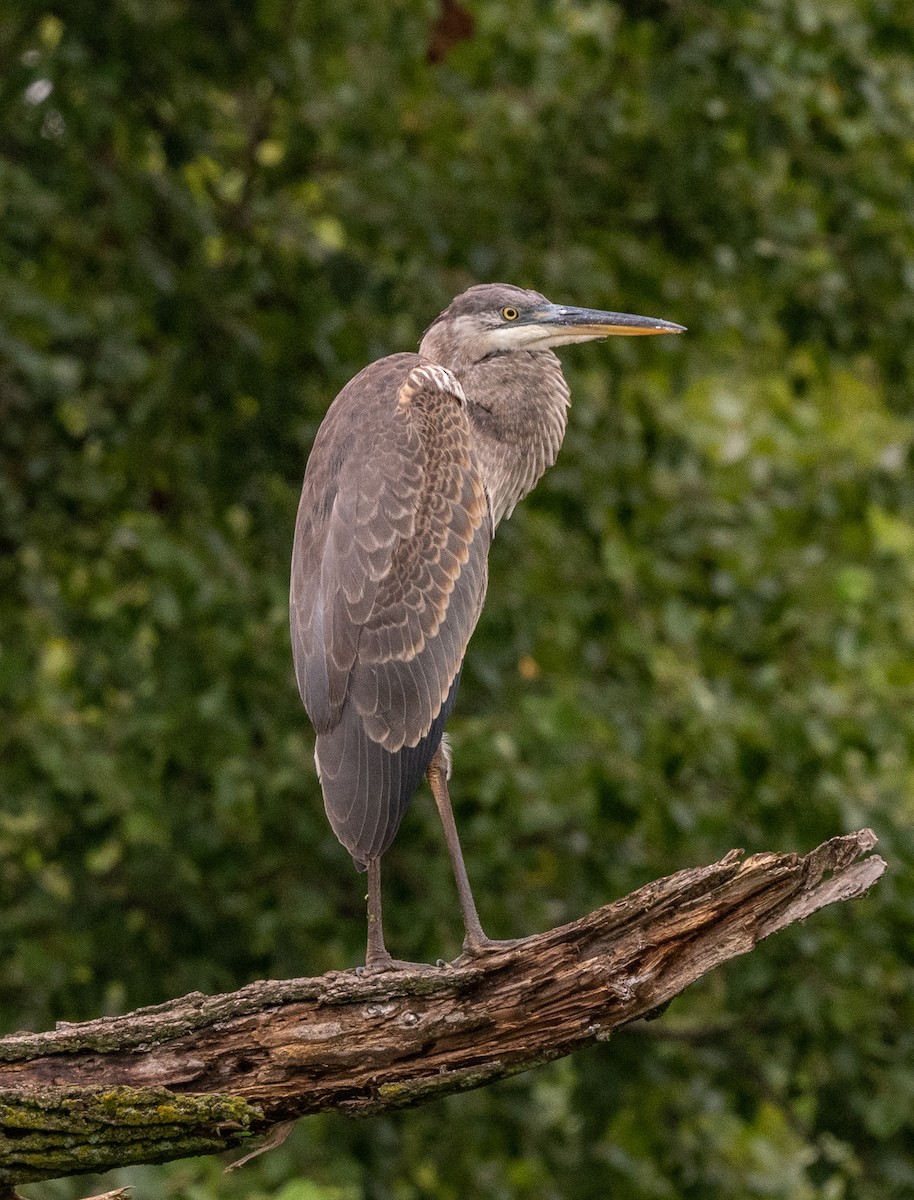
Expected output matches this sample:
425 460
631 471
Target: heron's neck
518 405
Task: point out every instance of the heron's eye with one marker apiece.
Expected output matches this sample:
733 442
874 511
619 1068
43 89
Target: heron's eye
510 314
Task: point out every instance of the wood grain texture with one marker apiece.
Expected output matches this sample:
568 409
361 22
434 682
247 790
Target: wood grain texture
205 1072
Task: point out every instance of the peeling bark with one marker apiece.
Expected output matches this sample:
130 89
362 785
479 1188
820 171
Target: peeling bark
204 1073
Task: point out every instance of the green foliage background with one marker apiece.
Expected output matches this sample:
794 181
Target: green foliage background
700 627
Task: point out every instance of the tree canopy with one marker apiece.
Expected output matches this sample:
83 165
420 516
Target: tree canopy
700 627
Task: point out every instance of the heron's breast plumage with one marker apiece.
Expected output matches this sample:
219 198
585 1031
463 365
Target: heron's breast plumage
518 408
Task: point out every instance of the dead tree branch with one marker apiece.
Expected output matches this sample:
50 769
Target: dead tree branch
204 1073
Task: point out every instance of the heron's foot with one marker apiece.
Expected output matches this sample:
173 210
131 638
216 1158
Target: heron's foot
378 964
477 947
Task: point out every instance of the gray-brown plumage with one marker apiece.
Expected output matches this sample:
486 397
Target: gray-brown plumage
418 459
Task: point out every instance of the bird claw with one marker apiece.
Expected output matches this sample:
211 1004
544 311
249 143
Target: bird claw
482 948
380 966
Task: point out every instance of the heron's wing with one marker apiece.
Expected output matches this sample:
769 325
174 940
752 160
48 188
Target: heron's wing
367 789
389 565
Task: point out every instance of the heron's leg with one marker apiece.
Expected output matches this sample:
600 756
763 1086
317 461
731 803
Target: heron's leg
377 957
376 954
437 777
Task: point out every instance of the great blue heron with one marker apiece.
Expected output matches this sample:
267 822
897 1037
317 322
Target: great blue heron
417 460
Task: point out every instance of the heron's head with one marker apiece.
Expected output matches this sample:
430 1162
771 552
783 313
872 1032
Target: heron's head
496 318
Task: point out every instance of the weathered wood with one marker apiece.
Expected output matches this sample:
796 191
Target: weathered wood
203 1073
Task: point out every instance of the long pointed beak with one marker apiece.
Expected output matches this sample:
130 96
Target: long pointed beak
594 323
